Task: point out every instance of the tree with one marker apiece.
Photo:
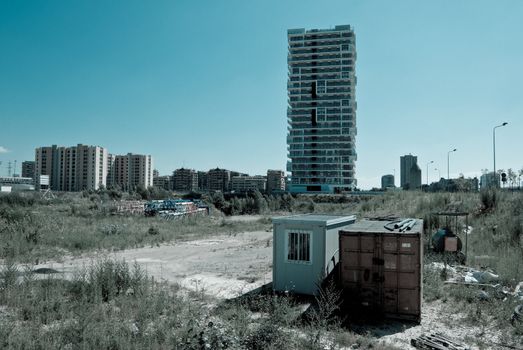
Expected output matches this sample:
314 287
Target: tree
512 177
260 204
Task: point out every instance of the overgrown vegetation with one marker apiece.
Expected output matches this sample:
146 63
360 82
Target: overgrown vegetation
33 229
113 305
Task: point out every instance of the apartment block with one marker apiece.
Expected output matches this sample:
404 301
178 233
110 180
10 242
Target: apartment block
321 112
410 174
74 168
110 181
275 181
243 184
164 182
28 169
132 171
202 181
219 180
185 180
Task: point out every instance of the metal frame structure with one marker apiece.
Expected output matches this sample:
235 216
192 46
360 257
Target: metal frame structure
448 222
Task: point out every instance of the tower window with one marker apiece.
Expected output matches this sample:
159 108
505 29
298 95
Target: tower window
320 87
321 114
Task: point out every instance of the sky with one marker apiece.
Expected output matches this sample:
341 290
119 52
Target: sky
202 84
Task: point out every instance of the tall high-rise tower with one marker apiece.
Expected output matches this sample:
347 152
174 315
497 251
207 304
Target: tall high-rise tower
410 172
322 109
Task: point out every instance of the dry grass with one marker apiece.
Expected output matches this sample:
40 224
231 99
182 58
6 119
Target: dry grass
32 229
115 306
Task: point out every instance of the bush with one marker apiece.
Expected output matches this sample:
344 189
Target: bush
16 199
488 199
153 231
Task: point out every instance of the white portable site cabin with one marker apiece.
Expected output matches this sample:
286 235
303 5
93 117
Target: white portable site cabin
305 250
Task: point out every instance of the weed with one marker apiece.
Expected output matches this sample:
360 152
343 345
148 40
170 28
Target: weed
153 231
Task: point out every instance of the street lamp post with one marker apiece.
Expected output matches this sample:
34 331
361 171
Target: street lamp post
394 172
439 173
448 162
494 149
428 171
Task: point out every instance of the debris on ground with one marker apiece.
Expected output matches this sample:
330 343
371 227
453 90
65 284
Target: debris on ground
517 316
485 279
460 273
436 341
518 291
481 277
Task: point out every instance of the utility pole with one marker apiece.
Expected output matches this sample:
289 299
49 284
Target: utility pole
428 171
448 162
494 150
9 167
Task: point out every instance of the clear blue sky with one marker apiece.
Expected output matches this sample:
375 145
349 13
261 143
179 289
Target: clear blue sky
203 83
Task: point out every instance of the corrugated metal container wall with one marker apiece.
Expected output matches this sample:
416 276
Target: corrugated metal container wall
381 270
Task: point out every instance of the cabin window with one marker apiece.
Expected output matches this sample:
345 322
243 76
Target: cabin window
299 246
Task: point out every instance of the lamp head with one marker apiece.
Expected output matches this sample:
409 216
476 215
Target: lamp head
505 123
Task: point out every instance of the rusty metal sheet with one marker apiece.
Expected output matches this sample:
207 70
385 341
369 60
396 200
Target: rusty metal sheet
383 269
451 244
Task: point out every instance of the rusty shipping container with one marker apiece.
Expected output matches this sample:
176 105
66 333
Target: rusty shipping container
381 268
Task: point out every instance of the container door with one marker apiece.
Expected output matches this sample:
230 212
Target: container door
390 274
409 288
361 268
401 274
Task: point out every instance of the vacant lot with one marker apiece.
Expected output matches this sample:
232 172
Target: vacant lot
181 281
224 266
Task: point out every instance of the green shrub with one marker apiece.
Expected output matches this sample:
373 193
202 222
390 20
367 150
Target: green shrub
489 198
153 231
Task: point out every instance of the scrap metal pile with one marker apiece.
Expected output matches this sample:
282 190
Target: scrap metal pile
129 207
175 208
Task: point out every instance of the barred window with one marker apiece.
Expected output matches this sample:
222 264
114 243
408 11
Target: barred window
299 246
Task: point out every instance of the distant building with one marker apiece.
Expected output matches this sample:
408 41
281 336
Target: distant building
219 180
185 180
460 184
387 181
74 168
410 172
275 180
202 181
321 112
244 184
28 169
489 180
132 171
156 173
164 182
110 180
16 183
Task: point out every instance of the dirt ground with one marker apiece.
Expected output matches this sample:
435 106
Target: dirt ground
436 317
221 267
228 266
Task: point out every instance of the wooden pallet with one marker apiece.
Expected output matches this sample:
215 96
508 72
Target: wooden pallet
436 341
